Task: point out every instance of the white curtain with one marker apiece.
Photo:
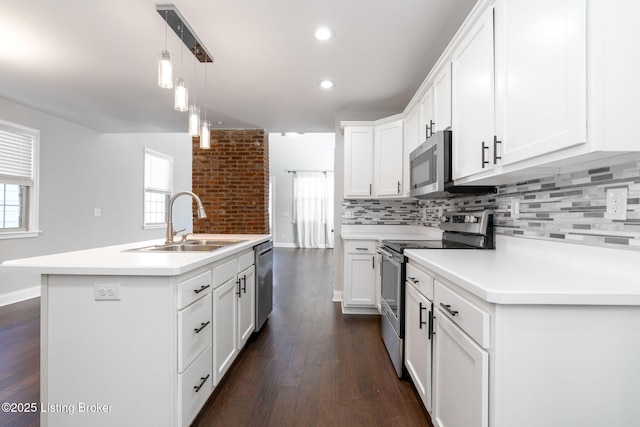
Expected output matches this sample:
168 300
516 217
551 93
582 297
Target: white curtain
311 199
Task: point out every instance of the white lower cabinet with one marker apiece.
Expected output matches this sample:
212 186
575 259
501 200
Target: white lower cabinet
233 310
195 386
418 337
360 288
461 378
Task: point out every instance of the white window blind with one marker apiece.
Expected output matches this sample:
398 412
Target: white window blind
16 156
158 170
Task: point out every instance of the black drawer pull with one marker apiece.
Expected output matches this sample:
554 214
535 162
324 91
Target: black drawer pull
484 162
244 284
203 325
413 279
202 288
362 249
447 307
204 380
239 292
421 321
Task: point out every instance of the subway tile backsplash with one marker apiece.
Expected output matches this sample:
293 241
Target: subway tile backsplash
569 207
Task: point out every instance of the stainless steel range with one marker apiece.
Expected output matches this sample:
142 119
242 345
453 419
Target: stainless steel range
461 230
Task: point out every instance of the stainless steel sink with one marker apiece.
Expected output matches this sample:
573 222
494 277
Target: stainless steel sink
207 245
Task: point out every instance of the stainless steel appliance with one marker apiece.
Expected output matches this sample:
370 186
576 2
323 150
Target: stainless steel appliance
430 170
264 282
462 230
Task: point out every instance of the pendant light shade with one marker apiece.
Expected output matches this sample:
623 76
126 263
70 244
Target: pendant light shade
165 70
205 134
182 95
194 120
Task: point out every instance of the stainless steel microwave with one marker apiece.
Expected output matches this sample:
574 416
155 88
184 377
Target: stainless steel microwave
430 170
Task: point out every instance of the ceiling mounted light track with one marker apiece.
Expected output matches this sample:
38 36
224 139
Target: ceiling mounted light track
179 25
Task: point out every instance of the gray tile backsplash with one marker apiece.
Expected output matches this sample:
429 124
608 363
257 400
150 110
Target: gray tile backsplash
568 207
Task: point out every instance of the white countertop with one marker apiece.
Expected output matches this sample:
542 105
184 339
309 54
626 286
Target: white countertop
111 260
525 271
389 232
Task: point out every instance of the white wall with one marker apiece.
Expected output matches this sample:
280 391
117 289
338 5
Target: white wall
81 169
309 151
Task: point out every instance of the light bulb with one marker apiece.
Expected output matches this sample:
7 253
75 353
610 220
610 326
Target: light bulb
181 95
194 120
205 134
165 70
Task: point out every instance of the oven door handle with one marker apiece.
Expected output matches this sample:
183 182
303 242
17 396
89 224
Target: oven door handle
384 252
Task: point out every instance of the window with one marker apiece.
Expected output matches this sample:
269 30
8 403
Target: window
158 178
19 151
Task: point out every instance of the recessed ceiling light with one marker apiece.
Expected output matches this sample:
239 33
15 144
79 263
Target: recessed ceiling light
323 33
326 84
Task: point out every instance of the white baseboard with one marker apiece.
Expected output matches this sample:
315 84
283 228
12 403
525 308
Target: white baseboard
337 296
284 245
21 295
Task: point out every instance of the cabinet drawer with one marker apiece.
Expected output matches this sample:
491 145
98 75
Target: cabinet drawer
472 319
421 280
194 331
194 387
360 246
246 260
194 288
224 272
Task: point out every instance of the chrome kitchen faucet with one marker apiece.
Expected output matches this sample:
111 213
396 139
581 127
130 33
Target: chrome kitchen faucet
170 232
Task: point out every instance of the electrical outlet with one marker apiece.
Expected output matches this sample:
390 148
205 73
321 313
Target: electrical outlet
97 212
106 291
515 208
617 203
348 214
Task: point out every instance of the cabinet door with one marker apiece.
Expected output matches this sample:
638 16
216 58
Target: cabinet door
460 378
473 93
358 162
442 98
426 115
246 305
225 315
540 76
411 142
360 284
417 342
388 159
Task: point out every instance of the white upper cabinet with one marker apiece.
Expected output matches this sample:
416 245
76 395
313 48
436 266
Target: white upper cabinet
442 98
427 117
374 157
388 157
540 77
358 161
473 99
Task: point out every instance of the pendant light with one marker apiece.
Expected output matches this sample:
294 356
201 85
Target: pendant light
165 68
205 132
194 110
181 102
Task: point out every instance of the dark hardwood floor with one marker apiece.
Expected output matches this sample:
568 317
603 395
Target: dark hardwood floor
20 361
309 366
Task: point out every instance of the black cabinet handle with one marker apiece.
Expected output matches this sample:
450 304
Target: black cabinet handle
430 334
362 249
398 187
421 321
447 307
431 128
202 326
413 279
204 380
370 189
244 284
202 288
495 150
373 262
484 147
239 293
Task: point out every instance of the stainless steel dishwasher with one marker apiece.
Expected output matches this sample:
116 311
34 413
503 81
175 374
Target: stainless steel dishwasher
264 282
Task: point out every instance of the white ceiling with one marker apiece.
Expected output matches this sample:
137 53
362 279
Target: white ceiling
94 62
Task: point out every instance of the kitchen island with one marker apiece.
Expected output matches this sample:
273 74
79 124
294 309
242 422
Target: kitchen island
530 334
140 337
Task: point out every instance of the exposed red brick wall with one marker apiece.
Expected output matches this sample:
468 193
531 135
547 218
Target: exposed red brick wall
232 180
